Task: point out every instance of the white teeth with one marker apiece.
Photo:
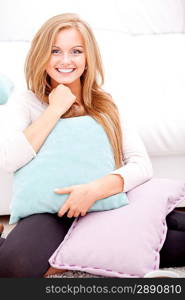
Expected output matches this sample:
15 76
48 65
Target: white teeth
65 70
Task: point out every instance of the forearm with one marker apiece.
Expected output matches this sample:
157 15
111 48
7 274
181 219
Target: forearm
107 186
38 131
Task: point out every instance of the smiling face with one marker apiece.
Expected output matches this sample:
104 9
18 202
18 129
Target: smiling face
68 60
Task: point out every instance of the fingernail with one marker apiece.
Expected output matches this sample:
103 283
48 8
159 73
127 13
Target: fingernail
56 190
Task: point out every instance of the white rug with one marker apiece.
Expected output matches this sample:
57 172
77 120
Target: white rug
78 274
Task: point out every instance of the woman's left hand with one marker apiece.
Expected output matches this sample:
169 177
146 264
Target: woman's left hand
79 201
83 196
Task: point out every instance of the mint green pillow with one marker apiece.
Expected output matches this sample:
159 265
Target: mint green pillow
76 151
6 87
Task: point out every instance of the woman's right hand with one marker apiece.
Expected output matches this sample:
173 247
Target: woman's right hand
61 98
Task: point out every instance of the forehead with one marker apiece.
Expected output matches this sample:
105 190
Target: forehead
68 38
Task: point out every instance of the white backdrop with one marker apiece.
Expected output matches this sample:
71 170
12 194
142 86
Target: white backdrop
20 19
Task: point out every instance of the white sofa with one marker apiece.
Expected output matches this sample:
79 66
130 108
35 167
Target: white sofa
146 76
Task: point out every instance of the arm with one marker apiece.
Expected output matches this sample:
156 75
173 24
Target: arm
60 100
83 196
38 131
15 150
19 145
137 167
20 138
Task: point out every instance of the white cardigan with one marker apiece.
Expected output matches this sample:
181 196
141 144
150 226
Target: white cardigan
15 150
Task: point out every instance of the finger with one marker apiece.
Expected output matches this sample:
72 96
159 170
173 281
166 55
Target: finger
66 190
83 213
63 210
76 214
70 213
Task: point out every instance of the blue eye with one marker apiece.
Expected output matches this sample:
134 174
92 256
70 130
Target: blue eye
55 51
76 51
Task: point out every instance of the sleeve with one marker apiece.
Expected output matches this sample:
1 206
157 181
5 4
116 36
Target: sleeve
15 150
137 167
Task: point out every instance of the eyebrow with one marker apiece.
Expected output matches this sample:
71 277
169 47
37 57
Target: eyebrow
71 48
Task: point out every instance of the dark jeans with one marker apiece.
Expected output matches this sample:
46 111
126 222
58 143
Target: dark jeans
172 253
27 248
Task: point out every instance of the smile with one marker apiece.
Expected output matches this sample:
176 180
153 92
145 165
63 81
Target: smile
65 70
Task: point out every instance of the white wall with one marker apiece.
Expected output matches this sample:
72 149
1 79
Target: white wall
20 19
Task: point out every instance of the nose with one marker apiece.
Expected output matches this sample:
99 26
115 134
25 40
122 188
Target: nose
66 58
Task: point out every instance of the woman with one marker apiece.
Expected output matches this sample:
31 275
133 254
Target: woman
64 78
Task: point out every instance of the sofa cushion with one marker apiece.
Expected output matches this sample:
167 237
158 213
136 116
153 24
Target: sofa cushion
6 87
146 79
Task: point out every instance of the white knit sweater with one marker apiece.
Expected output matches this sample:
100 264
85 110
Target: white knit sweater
16 151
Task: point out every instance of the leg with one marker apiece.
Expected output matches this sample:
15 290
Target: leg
27 248
1 241
176 220
172 253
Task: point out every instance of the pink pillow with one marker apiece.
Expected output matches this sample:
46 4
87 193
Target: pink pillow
123 242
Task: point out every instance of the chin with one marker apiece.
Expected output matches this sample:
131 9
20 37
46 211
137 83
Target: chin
57 82
66 82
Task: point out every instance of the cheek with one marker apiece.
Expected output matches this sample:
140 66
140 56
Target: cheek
49 71
51 64
82 63
48 68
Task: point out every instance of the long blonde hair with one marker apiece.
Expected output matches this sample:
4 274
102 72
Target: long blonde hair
97 103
